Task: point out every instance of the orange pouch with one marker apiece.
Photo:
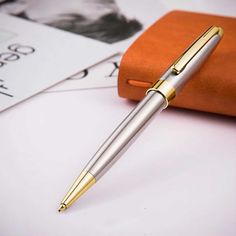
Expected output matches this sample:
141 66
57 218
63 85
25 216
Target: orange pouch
212 89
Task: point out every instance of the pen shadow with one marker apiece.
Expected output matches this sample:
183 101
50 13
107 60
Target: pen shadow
127 183
131 184
205 116
102 192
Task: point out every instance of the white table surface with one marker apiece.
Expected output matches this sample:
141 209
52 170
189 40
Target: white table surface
178 178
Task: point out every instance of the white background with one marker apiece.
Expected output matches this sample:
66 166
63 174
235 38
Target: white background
178 178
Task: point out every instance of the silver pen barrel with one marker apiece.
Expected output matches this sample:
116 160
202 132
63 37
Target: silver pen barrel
120 139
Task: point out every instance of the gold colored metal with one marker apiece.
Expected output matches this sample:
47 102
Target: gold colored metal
62 207
165 88
81 185
187 56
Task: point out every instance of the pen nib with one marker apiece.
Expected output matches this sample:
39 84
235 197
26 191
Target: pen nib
62 207
82 183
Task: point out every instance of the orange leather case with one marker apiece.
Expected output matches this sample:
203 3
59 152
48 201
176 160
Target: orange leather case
212 89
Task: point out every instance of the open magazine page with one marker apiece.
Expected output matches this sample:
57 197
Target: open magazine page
34 57
115 22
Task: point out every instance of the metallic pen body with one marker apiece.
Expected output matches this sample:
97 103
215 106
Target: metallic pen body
152 103
115 145
156 99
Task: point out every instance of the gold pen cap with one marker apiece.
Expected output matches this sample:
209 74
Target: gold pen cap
196 54
195 47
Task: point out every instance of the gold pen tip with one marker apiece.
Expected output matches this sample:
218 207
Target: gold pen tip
62 207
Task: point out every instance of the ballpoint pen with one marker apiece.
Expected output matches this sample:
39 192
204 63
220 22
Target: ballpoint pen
157 98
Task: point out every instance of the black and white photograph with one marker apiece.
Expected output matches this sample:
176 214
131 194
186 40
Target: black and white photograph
102 20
